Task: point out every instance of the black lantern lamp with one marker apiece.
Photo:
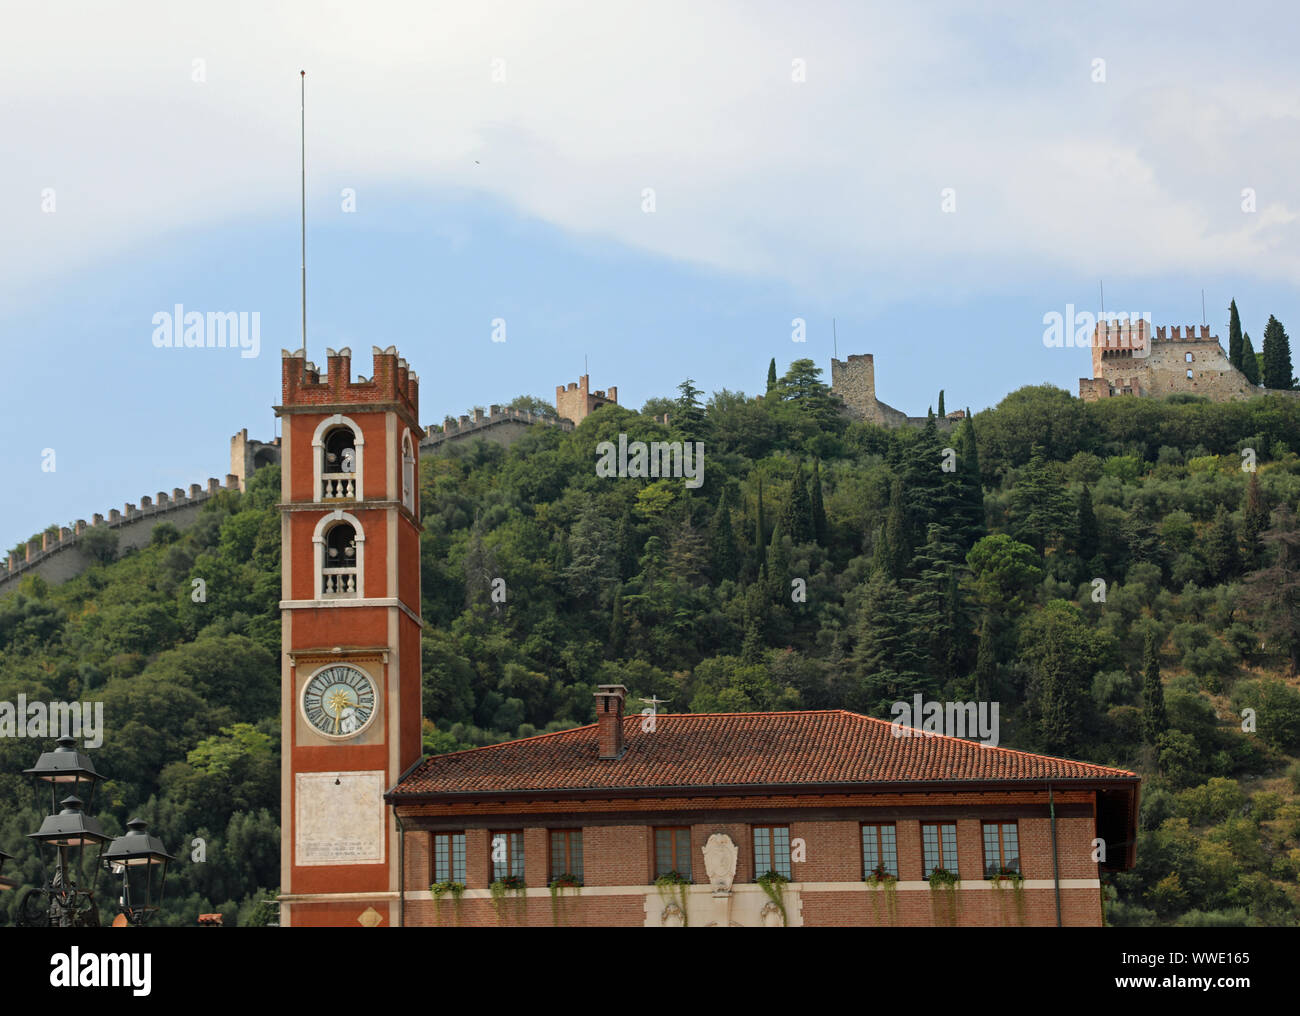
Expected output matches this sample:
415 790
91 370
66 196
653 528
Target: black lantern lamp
71 829
141 860
66 770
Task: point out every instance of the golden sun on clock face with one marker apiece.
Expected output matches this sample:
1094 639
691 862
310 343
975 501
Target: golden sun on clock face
339 702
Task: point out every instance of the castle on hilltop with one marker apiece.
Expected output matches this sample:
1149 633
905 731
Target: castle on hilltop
1127 360
854 381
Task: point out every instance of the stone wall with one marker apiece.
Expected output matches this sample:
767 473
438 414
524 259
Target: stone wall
57 557
500 425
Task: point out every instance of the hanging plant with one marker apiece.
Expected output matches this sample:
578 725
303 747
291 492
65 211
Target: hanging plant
1011 876
673 884
513 884
774 884
881 880
558 886
945 882
439 890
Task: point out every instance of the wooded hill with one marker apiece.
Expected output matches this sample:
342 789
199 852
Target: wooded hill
963 565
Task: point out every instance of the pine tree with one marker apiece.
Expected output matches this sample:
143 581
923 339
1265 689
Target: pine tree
1272 594
931 495
771 374
937 603
1249 360
689 414
722 544
798 510
1254 520
820 530
889 656
1220 547
941 413
1040 505
1154 721
1234 335
1277 356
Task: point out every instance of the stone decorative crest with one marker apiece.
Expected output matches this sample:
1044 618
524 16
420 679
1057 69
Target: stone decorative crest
672 917
720 862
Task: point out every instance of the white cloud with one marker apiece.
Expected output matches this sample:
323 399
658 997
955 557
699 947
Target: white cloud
832 185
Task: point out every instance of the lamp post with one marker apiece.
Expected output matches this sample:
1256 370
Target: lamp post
137 857
6 883
66 770
62 902
64 835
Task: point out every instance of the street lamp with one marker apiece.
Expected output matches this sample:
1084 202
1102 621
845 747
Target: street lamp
137 856
62 902
66 770
6 883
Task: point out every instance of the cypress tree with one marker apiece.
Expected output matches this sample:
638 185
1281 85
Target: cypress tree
722 544
986 660
778 565
1277 356
751 650
1088 533
971 510
1234 335
1154 721
1249 361
1254 520
1221 547
818 507
771 374
617 625
798 510
941 413
760 544
892 550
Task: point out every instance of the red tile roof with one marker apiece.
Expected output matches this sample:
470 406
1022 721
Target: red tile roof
707 750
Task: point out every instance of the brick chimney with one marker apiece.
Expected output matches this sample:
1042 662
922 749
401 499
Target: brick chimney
609 719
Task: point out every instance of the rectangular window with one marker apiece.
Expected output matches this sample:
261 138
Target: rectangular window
1001 849
879 850
939 845
449 857
507 855
566 853
772 850
673 852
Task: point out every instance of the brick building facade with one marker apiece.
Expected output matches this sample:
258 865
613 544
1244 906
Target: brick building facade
825 799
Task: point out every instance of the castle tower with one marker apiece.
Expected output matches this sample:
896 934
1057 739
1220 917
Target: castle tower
350 633
576 402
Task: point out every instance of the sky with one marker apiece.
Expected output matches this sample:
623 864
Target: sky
658 190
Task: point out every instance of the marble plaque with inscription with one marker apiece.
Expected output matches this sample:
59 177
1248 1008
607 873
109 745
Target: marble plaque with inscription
339 818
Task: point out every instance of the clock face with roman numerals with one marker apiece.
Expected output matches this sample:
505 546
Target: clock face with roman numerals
339 701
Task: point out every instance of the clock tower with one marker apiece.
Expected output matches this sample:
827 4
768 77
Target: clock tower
350 633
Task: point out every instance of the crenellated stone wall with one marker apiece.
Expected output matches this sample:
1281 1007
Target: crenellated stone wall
57 557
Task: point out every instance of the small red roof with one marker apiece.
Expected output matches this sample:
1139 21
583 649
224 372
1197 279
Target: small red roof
736 750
